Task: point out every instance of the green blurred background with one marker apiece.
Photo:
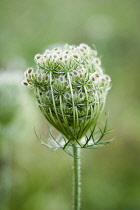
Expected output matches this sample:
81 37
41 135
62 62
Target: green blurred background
31 175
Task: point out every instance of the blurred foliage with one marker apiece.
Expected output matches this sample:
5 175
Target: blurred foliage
8 103
31 176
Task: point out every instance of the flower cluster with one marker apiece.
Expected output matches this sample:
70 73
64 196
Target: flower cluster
70 87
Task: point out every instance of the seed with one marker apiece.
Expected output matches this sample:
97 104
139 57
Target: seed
38 56
75 72
48 94
81 95
67 95
75 56
25 83
61 78
107 78
29 70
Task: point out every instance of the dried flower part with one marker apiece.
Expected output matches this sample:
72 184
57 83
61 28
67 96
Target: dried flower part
70 88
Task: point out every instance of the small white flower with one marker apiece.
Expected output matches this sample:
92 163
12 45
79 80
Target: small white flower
97 61
38 58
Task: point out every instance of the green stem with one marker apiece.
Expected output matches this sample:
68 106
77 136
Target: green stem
77 179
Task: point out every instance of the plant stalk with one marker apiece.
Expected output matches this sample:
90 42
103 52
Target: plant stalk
76 178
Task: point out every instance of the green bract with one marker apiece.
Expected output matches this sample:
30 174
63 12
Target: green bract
70 89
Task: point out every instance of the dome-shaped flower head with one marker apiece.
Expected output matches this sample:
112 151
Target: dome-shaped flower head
70 88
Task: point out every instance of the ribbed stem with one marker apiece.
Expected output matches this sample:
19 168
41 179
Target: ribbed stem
77 179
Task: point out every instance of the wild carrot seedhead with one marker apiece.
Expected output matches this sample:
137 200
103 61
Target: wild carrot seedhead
71 89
